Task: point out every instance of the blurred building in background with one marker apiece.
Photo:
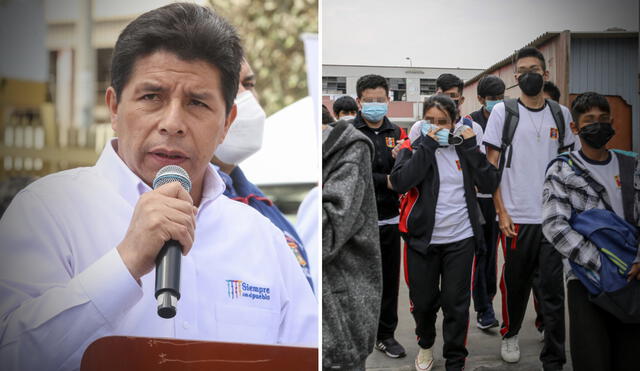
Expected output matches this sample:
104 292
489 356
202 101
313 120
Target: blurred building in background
54 71
408 86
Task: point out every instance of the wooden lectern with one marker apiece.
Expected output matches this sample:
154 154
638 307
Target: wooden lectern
136 353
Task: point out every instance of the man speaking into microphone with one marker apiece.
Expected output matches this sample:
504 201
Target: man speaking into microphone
79 247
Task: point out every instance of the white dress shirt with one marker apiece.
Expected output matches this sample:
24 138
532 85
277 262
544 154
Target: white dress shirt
63 283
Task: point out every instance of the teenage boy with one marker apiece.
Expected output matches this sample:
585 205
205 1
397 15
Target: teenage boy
518 203
373 100
490 92
345 108
599 340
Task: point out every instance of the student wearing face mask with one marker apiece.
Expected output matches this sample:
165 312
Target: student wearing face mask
596 178
372 121
490 92
440 170
243 140
345 108
541 133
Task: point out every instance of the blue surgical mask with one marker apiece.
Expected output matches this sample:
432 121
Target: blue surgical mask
491 103
442 135
374 111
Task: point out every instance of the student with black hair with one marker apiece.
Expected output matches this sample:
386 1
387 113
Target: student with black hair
327 119
442 228
540 134
599 340
490 92
551 91
345 108
373 101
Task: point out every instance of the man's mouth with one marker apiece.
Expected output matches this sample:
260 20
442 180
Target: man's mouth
167 157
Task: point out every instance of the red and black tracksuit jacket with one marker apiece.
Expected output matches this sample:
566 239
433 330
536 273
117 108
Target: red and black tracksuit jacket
416 174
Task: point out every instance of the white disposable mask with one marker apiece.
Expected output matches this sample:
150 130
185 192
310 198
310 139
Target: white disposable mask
244 137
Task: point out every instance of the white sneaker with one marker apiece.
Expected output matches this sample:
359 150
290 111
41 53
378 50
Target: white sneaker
510 351
424 360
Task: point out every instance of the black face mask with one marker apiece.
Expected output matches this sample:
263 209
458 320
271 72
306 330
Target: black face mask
596 135
530 83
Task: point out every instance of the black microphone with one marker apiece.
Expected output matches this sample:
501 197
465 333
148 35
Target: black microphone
170 256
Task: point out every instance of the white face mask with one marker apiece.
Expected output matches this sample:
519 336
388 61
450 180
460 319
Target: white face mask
244 137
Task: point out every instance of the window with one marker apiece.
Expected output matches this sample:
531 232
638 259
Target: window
397 88
427 86
103 69
334 85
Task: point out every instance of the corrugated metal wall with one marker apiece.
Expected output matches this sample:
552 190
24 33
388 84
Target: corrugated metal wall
608 66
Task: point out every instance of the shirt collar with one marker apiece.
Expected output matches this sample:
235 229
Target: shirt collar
131 187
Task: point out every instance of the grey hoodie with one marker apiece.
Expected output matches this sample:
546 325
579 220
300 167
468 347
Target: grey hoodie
351 263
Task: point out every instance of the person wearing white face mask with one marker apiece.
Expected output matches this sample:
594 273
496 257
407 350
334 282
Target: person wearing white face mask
243 139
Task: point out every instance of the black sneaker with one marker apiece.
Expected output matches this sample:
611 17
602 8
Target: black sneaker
391 348
487 319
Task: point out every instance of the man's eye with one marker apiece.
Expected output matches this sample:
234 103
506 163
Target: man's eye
198 103
151 97
249 85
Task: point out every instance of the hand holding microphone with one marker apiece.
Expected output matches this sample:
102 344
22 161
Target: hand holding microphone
163 222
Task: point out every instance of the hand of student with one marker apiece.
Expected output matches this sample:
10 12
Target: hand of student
396 149
433 132
468 133
506 224
634 272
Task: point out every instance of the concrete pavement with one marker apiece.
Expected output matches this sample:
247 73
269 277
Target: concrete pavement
483 346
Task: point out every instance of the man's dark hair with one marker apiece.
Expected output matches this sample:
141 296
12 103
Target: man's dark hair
551 89
530 51
447 81
190 31
344 104
371 82
490 86
586 101
326 116
443 103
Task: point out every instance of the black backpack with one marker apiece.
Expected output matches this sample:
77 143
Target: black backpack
511 123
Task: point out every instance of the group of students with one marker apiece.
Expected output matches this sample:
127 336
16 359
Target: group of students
455 187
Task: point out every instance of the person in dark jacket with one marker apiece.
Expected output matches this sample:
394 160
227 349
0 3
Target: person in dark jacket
442 226
242 141
490 92
351 267
372 121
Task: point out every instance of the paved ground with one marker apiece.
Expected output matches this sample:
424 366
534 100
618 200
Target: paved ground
484 347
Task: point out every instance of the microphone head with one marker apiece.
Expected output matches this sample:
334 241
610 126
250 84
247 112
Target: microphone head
172 173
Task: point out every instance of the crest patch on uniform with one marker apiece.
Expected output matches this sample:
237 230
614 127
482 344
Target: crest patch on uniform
293 245
391 141
458 165
618 182
553 133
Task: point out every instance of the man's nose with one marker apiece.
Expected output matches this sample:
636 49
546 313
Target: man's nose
173 122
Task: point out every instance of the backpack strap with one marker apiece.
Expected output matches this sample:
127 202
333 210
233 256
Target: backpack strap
558 117
627 165
571 160
512 116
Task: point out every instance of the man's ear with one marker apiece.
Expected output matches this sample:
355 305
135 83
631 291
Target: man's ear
359 104
481 100
574 127
545 75
228 121
460 101
112 104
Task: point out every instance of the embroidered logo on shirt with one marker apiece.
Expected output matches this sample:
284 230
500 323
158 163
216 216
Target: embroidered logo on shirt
391 141
618 182
458 165
296 250
553 133
240 289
